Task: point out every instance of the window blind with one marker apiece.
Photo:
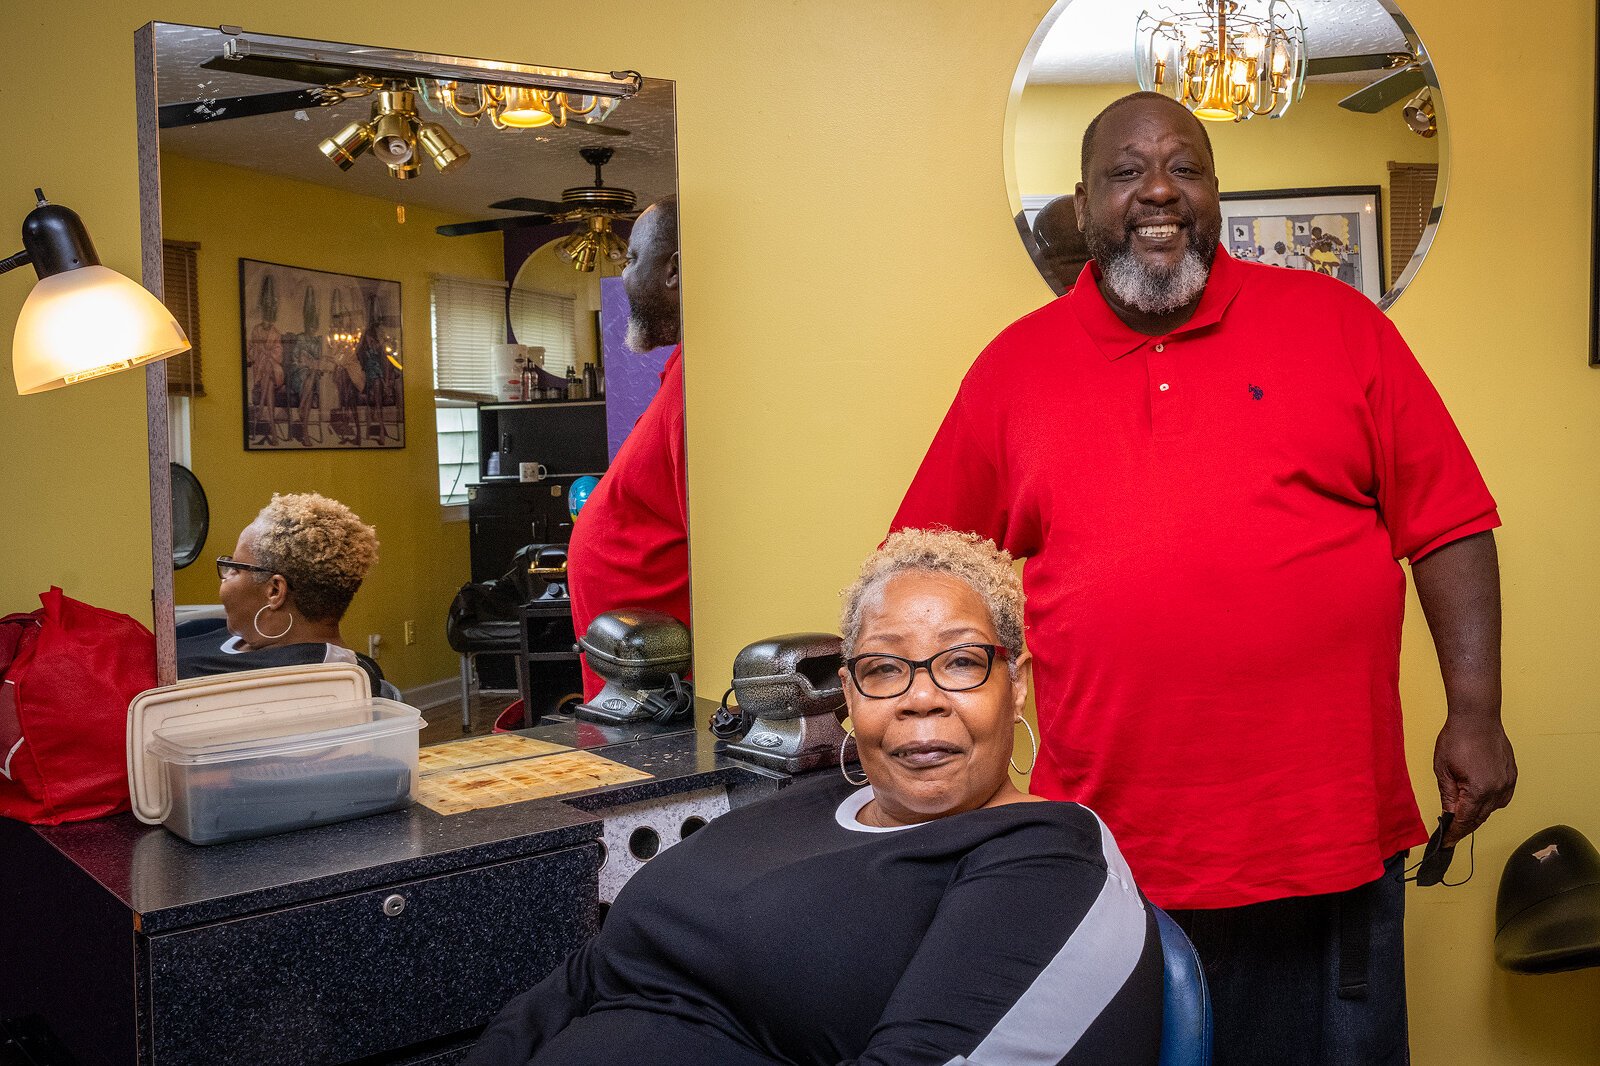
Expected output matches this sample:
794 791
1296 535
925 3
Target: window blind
548 321
1411 190
469 317
181 293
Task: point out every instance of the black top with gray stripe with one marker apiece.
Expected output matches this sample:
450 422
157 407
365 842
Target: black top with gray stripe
784 932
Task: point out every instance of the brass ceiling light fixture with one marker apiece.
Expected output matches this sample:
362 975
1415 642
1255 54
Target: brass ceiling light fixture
397 133
396 137
1222 61
584 248
1419 114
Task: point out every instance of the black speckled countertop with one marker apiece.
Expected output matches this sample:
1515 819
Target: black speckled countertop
169 883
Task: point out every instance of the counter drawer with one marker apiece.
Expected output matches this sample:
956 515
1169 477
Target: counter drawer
357 975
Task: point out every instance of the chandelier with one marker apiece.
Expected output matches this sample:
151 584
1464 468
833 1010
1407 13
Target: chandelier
1221 62
518 107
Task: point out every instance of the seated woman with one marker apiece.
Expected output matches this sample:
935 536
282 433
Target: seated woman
285 587
936 916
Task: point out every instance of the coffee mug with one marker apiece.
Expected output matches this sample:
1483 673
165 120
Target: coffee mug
532 471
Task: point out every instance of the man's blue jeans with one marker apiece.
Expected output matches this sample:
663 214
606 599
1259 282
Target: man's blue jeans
1285 976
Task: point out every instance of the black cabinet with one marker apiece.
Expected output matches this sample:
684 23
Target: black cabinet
388 939
507 516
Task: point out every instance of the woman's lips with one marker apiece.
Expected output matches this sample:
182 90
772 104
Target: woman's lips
925 754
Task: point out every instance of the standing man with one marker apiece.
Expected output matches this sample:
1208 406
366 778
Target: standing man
1212 469
630 545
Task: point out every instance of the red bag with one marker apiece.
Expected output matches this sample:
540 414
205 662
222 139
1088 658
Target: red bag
67 674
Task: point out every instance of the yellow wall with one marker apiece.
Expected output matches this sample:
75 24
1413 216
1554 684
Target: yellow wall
848 248
235 213
1317 143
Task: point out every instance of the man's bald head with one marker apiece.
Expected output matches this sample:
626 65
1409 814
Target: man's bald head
1062 250
651 278
1094 125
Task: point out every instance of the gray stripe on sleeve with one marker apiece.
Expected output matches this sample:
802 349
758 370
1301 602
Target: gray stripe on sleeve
1051 1015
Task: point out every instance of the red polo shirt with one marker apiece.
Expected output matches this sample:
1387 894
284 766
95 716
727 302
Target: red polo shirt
630 543
1211 521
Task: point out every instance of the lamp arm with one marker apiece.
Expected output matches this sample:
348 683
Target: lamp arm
10 263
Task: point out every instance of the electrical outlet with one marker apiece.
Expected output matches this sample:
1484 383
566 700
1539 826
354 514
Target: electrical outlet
411 633
372 645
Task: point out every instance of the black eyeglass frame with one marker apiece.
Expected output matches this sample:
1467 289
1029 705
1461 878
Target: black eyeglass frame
991 651
226 563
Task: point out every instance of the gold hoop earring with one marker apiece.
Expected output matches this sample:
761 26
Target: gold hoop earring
256 623
849 735
1035 741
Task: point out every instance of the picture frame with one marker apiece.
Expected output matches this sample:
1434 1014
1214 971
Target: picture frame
1334 230
336 379
1594 236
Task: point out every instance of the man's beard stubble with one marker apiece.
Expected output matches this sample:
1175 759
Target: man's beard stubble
1153 290
652 323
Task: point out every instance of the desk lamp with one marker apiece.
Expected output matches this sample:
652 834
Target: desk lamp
82 320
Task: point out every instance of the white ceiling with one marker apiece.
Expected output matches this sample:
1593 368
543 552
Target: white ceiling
504 163
1092 41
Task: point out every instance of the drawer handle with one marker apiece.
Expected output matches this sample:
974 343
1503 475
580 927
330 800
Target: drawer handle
393 905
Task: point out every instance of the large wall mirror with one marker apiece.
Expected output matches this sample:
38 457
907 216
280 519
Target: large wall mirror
324 243
1347 179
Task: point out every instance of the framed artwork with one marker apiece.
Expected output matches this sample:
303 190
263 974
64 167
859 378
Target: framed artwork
322 356
1594 255
1334 231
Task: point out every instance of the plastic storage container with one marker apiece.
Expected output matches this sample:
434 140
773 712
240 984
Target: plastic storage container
268 751
312 766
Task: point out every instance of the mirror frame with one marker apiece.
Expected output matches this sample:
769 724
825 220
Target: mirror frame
1401 281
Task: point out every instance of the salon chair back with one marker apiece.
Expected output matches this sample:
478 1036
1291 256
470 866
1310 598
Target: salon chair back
1186 1006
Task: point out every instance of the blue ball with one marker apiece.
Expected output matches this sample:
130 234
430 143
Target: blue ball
579 493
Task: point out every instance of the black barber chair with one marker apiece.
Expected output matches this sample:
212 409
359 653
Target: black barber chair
485 617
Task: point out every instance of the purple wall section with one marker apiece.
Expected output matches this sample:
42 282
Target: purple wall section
631 379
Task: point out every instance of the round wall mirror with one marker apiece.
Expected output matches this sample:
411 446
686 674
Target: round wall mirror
1338 167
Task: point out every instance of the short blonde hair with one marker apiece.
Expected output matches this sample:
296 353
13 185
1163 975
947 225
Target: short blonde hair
320 547
969 558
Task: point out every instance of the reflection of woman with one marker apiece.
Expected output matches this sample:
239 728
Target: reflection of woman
285 587
936 916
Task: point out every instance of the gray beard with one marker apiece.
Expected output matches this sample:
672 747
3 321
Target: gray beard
1155 291
649 329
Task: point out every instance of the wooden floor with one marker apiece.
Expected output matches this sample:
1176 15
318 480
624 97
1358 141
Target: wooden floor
444 721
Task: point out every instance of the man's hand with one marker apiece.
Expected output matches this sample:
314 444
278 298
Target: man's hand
1477 773
1459 586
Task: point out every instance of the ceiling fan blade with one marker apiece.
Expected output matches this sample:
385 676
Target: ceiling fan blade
1349 64
1386 91
225 107
489 225
295 70
525 203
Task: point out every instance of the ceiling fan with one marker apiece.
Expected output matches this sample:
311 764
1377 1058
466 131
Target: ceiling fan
597 205
1405 81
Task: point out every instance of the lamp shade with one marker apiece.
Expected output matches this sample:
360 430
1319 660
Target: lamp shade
87 322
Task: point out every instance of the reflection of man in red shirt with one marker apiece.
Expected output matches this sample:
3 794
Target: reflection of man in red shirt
630 543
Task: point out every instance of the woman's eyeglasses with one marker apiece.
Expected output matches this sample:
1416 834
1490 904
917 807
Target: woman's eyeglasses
227 567
958 669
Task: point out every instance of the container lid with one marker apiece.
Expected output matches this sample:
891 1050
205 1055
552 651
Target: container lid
283 731
220 699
